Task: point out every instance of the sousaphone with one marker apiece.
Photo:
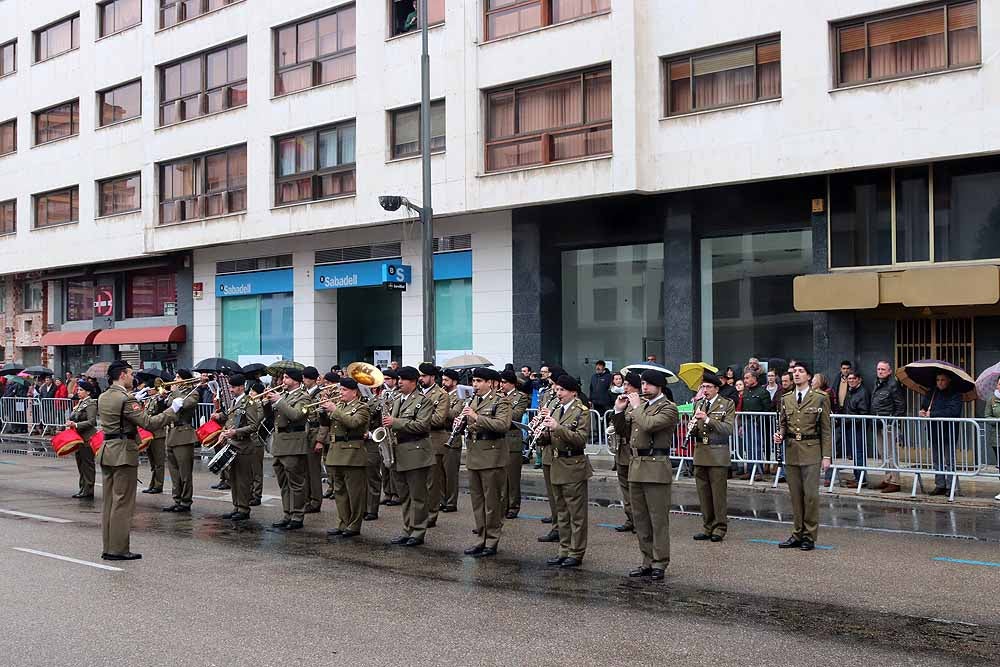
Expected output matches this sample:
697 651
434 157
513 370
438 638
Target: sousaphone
366 374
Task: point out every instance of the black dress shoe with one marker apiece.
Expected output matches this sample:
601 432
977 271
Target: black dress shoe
78 494
807 545
447 510
486 553
124 556
641 572
281 524
223 487
474 551
625 528
393 503
229 515
939 491
85 496
240 516
177 508
552 536
399 540
312 509
432 524
701 537
384 502
328 494
334 532
656 574
371 517
717 538
255 502
547 519
555 560
350 533
148 491
790 543
294 525
511 515
413 542
571 562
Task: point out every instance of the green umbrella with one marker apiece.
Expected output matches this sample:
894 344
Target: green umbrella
278 367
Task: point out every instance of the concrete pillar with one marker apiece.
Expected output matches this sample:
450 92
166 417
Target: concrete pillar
186 355
493 323
681 312
526 294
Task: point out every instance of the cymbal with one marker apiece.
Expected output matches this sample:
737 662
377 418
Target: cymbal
365 373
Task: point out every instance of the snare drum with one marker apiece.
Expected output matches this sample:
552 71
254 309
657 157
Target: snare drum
66 442
145 437
208 432
221 461
96 441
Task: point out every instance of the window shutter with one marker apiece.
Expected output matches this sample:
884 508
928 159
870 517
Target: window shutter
722 62
906 28
769 53
852 39
962 16
680 69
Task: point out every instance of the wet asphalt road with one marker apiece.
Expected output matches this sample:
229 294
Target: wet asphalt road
211 593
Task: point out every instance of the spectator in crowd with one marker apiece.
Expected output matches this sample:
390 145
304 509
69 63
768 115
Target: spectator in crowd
729 377
728 390
887 401
525 373
47 389
71 384
857 401
820 383
842 384
617 386
753 366
61 391
772 383
755 398
992 411
786 386
394 365
600 387
940 403
651 358
739 387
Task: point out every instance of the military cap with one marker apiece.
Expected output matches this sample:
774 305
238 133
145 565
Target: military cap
568 382
634 379
482 373
184 374
349 383
428 369
389 373
408 373
310 373
451 373
332 378
654 377
711 378
294 373
508 375
237 380
86 386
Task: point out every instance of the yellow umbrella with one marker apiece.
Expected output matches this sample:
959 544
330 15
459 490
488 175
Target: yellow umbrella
691 373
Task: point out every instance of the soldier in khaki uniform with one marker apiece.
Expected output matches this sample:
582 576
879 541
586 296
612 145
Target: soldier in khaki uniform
314 460
345 422
548 401
453 455
486 421
519 403
290 447
118 457
388 479
257 453
654 424
328 381
84 420
804 426
710 429
622 420
567 432
157 450
410 421
241 422
373 470
440 430
181 441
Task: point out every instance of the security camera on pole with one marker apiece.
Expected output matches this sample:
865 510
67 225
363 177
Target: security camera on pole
426 212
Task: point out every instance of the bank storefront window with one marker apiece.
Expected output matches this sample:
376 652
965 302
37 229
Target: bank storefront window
453 302
746 297
79 300
257 313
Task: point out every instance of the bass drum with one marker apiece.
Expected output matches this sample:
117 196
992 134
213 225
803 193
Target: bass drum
66 442
221 461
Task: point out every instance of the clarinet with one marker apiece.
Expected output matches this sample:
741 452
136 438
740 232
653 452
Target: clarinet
694 422
459 429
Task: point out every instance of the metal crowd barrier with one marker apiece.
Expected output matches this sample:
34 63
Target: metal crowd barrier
19 411
53 413
947 448
752 443
991 446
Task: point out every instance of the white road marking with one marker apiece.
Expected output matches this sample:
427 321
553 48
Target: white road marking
69 560
50 519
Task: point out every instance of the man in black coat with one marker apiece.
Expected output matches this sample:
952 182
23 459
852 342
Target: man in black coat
857 401
887 401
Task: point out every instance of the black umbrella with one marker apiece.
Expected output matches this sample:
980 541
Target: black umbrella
254 369
218 365
38 370
11 369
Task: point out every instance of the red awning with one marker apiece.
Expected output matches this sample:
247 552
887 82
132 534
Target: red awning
141 335
58 338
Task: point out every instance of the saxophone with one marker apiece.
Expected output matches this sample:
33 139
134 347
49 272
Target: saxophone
384 437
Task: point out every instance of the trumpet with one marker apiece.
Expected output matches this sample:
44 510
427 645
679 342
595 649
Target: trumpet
278 391
333 395
160 384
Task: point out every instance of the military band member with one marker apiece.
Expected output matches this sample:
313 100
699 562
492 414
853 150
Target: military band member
711 426
453 455
487 419
157 450
314 460
345 422
440 431
374 468
118 457
290 447
257 453
804 427
654 424
328 380
410 421
519 402
241 423
388 479
181 441
548 400
567 431
84 420
622 420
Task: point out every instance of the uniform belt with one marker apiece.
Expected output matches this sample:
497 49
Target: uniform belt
409 438
118 436
558 453
652 452
798 437
346 438
297 428
489 435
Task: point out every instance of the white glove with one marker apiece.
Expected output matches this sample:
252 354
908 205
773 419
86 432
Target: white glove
142 394
177 404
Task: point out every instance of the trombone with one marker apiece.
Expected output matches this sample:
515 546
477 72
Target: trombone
259 398
331 393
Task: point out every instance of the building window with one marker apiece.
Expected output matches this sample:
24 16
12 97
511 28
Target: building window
510 17
453 314
403 15
405 129
117 15
8 137
313 52
966 215
120 103
8 58
173 12
119 195
31 297
206 83
316 164
57 208
888 46
58 122
204 186
150 295
8 217
548 121
57 38
79 300
861 218
724 77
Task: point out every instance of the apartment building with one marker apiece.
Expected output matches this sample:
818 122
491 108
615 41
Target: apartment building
611 178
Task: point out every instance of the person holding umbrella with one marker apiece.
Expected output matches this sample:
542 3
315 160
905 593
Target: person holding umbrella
941 402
